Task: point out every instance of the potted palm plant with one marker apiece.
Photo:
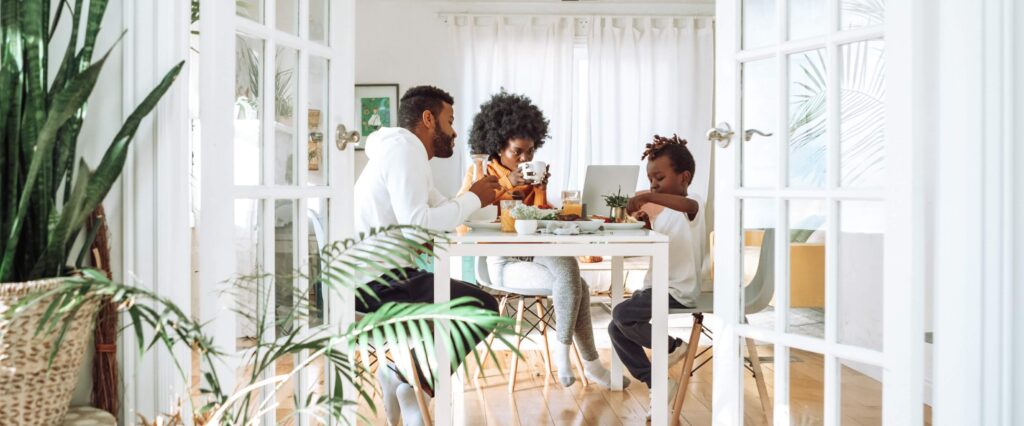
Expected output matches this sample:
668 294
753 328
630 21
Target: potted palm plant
47 194
343 357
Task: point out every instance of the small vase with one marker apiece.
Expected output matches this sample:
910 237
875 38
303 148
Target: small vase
618 214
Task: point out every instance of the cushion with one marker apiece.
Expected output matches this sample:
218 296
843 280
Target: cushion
88 416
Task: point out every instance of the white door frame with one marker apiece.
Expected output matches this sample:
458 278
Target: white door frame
899 293
977 253
218 28
155 197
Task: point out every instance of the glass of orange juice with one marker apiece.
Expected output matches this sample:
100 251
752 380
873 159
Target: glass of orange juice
508 223
572 202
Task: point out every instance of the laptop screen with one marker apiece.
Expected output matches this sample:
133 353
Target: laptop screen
604 180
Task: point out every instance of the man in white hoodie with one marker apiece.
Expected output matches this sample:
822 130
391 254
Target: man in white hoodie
397 188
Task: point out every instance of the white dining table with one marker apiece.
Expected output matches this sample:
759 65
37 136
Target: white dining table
449 406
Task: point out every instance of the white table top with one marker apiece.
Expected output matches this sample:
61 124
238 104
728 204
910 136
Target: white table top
478 236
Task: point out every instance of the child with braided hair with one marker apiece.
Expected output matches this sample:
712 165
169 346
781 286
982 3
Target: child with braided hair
668 208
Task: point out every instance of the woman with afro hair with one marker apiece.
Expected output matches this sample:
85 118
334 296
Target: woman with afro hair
509 129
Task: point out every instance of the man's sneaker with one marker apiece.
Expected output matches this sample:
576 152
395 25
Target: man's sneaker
677 355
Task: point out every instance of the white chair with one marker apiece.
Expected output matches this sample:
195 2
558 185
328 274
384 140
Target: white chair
756 297
528 298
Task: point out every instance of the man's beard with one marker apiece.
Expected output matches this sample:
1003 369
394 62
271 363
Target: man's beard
443 147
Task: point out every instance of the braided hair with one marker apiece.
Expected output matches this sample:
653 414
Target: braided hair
675 149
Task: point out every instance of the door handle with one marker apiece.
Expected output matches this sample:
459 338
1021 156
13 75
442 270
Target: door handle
343 137
721 134
749 133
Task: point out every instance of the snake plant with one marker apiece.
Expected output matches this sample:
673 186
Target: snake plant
46 192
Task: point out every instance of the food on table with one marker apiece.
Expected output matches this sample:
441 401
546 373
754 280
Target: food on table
591 259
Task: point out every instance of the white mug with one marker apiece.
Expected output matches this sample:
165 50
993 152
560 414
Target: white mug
534 171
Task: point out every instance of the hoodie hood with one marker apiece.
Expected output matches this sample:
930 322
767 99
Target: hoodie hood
382 143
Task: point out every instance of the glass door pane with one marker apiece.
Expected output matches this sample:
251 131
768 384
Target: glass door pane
808 124
317 113
861 13
862 109
760 111
759 23
285 88
248 114
807 18
288 16
250 9
319 11
806 313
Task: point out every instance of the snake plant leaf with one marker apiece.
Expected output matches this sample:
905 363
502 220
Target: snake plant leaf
106 173
97 8
69 66
65 104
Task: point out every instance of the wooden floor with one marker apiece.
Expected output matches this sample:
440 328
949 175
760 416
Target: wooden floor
536 403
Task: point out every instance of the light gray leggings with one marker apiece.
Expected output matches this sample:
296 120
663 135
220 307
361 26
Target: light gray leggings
570 293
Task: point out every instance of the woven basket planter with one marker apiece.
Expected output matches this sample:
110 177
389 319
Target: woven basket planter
31 393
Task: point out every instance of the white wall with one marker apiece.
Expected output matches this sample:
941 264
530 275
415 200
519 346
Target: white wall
404 42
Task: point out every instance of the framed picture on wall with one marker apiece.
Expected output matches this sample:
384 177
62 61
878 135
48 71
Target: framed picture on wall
376 107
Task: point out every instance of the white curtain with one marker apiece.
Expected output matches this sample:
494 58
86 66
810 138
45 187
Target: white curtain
532 56
647 76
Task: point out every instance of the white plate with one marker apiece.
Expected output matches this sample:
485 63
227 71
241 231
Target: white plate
483 224
622 226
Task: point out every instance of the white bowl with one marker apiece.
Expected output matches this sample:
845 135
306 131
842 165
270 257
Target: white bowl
590 225
526 227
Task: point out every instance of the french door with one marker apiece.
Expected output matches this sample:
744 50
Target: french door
276 91
801 213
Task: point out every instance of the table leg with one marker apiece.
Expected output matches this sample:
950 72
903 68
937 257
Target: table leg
443 414
616 291
659 337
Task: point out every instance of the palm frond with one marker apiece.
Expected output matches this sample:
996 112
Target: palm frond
862 113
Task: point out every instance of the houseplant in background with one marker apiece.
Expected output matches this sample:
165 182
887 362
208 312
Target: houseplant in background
617 205
343 357
47 194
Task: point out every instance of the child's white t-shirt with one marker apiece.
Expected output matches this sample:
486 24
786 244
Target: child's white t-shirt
687 249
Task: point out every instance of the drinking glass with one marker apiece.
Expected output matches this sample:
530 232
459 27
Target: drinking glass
508 223
572 202
479 166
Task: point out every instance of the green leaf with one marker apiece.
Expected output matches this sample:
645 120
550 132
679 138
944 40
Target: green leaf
99 184
65 104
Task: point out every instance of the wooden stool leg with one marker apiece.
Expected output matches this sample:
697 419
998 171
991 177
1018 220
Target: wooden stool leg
490 340
762 389
420 399
579 365
684 379
541 312
519 340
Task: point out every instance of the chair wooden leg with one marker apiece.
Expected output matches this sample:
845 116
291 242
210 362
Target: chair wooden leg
420 399
684 375
490 340
541 312
579 365
762 388
519 340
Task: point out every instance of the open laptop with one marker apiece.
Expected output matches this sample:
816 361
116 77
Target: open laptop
603 180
